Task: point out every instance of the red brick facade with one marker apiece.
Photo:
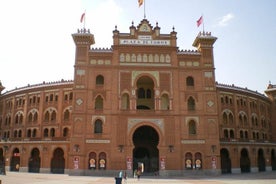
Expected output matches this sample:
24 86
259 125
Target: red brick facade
141 104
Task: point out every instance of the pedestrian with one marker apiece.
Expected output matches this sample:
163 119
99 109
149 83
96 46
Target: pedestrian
125 177
138 174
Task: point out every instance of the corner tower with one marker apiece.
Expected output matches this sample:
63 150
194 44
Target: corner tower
83 40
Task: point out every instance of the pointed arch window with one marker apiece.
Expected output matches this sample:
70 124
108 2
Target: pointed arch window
47 116
192 127
125 101
53 116
66 115
52 132
225 132
65 132
190 81
29 133
191 104
34 133
98 126
165 102
99 80
99 103
46 132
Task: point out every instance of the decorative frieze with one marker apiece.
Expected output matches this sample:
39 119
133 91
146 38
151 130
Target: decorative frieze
134 121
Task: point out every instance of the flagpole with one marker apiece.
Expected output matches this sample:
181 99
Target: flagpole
84 19
203 23
144 9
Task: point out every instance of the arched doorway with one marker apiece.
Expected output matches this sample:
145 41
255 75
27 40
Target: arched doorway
58 162
15 160
145 140
273 160
244 161
261 160
34 161
225 161
2 162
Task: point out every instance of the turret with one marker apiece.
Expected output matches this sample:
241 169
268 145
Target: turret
83 40
1 87
204 43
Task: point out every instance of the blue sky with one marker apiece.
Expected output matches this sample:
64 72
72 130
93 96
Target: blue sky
36 43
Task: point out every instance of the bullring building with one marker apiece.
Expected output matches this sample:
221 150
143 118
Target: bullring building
143 103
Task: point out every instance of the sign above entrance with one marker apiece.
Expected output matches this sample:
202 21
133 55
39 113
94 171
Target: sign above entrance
144 41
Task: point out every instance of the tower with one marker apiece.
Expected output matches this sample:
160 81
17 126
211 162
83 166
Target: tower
204 43
83 40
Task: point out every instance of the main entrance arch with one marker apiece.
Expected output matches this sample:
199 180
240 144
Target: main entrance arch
145 152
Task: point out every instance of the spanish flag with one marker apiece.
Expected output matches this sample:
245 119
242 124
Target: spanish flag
82 17
199 21
140 2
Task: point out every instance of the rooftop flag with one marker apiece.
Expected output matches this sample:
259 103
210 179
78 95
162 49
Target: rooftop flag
82 17
140 2
199 21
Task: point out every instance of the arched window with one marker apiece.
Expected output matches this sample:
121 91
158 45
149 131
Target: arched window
98 126
34 133
165 103
232 135
224 118
141 93
148 93
71 96
192 127
35 117
225 133
231 118
241 134
188 160
99 103
99 80
53 116
46 132
20 133
66 115
30 118
125 101
191 104
92 162
29 133
47 116
52 132
198 160
102 160
190 81
15 134
65 132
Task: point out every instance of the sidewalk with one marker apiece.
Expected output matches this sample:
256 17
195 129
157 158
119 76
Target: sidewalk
33 178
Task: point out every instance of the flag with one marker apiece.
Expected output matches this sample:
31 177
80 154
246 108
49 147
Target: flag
199 21
82 17
140 2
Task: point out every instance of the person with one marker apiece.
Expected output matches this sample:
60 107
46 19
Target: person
138 174
120 174
125 177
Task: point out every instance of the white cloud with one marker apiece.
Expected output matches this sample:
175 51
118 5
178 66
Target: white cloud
224 21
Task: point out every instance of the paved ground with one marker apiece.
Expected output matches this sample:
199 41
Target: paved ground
28 178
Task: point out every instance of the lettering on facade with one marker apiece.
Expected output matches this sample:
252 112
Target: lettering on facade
145 42
97 141
193 141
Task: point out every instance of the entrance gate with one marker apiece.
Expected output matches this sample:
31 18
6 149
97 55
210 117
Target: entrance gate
145 140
